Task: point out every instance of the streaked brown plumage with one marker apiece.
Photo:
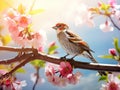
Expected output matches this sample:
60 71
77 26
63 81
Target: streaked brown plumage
72 43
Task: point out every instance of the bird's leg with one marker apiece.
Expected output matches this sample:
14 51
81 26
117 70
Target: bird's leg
74 56
64 57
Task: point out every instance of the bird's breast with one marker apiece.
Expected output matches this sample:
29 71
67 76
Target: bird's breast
67 45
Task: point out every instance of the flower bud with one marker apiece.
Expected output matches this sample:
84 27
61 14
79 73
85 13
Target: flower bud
112 51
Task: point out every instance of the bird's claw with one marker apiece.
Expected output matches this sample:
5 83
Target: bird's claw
62 57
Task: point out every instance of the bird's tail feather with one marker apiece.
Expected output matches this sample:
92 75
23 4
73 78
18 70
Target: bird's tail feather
90 56
95 61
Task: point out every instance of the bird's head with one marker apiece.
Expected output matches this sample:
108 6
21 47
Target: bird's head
60 27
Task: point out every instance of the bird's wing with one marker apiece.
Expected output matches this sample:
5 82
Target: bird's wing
77 40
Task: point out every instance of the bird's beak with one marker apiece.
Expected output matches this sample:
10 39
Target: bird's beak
55 27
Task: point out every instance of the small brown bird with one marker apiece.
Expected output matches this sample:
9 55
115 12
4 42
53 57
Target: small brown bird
72 43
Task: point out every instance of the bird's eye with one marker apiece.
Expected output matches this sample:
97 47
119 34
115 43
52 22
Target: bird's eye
58 25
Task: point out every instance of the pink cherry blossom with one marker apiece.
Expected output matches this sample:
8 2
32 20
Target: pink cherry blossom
7 85
24 20
52 44
55 80
50 69
39 39
11 83
41 49
112 84
112 51
65 69
10 87
12 26
8 82
18 25
61 75
58 81
99 4
19 84
74 78
83 16
106 27
2 72
112 3
11 13
62 82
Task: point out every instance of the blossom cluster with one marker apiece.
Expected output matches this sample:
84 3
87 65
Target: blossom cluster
19 26
113 83
111 9
61 75
85 15
11 83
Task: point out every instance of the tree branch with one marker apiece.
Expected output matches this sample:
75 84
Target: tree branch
83 65
56 60
16 59
17 67
5 48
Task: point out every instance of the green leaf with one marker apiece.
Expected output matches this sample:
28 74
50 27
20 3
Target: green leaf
5 39
119 76
103 78
21 70
21 9
52 49
107 56
37 11
116 45
38 63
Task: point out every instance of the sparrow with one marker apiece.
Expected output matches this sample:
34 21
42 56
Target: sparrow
72 43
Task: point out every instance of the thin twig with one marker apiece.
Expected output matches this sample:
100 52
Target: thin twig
114 23
37 78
